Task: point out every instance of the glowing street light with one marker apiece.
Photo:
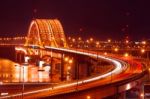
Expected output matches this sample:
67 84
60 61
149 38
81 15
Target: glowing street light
116 49
70 61
66 59
142 50
88 97
126 54
68 67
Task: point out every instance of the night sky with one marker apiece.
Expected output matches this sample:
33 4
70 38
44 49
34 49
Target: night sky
100 19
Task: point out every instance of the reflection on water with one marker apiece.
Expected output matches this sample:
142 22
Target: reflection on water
9 72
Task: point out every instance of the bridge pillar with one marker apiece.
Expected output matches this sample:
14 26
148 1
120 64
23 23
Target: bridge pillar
76 68
51 70
19 57
62 67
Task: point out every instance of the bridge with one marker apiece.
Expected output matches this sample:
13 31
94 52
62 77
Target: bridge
46 43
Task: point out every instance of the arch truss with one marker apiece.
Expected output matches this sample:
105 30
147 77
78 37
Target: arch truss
46 32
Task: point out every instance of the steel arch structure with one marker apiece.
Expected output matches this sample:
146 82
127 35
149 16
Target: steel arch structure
46 32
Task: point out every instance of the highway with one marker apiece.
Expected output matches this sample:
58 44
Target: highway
122 70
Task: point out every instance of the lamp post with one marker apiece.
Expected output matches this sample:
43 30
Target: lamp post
24 65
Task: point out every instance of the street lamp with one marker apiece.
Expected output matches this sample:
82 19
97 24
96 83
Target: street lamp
70 61
116 49
126 54
88 97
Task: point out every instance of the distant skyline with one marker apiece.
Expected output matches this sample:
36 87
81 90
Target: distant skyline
100 19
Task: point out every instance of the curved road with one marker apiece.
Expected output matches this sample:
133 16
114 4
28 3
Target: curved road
121 67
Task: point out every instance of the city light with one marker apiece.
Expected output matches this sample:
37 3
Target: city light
91 39
126 54
143 42
105 53
142 50
66 59
116 49
88 97
56 62
70 61
109 40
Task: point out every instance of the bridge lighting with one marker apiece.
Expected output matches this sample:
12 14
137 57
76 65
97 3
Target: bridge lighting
68 67
126 54
128 86
70 61
66 59
41 64
26 58
88 97
142 50
116 49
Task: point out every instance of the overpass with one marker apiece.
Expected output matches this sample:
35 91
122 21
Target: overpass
47 35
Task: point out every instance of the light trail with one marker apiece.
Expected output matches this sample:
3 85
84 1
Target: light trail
118 69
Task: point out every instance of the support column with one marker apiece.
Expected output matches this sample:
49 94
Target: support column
51 70
62 67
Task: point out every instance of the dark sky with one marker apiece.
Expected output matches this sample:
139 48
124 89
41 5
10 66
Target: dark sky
101 19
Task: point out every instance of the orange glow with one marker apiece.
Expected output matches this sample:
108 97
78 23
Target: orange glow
127 41
46 32
70 61
97 43
143 42
109 40
68 67
88 97
142 50
66 59
87 41
105 53
73 40
142 95
116 49
79 38
126 54
91 39
69 38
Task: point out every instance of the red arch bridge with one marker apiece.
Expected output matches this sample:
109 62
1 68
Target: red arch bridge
46 38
